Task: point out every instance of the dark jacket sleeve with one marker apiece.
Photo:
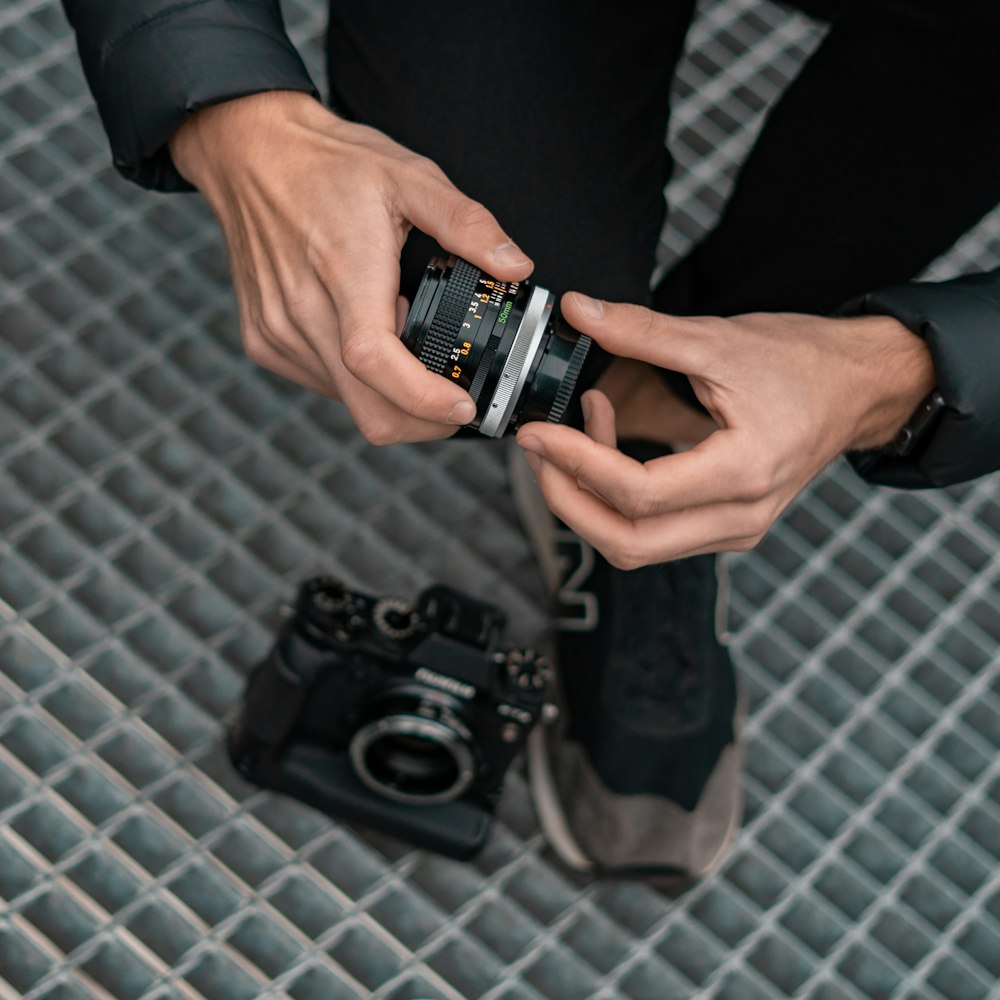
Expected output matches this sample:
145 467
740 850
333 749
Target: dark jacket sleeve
150 63
960 321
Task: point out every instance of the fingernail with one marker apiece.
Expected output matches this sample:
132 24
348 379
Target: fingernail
530 443
510 255
592 308
462 413
533 460
587 408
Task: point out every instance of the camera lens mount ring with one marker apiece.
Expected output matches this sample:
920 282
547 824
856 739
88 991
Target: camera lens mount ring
518 363
413 728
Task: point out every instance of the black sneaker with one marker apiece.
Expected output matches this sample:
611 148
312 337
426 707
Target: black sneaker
640 772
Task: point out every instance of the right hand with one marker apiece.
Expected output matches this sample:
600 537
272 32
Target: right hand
315 211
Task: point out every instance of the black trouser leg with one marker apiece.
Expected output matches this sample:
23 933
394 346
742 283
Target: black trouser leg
882 152
878 157
552 115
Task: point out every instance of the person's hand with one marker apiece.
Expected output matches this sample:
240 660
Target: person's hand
315 211
788 392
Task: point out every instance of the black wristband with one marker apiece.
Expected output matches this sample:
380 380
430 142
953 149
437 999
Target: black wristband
918 428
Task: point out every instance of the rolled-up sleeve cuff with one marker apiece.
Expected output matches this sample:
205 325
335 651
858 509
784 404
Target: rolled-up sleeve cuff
188 56
960 322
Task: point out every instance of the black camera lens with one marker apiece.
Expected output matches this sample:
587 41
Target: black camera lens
413 759
504 342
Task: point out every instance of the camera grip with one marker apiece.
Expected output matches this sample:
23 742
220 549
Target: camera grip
326 780
273 701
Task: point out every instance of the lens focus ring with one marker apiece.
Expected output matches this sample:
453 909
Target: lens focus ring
435 351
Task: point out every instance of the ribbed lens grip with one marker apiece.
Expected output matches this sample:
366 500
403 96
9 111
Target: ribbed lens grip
573 369
435 351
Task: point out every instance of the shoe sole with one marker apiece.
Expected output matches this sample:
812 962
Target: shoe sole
548 809
553 820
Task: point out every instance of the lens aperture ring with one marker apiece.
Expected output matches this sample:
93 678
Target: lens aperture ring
436 349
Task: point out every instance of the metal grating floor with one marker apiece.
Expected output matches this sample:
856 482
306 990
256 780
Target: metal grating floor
159 497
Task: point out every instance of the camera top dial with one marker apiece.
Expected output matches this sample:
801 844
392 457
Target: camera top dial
331 609
528 672
396 619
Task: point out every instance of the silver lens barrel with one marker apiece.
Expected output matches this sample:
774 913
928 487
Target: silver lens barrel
518 363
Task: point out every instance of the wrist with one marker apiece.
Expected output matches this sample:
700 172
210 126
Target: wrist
226 135
898 376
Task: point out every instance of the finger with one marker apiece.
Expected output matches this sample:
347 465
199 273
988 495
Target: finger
691 344
719 470
402 311
382 423
371 352
270 359
300 319
269 327
463 226
628 544
599 418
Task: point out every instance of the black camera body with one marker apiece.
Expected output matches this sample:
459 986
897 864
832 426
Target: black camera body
403 718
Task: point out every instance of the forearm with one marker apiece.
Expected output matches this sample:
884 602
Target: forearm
151 63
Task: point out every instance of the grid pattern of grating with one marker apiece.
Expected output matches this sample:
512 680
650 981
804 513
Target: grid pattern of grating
159 497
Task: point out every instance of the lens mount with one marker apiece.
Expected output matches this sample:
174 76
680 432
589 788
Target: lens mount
413 760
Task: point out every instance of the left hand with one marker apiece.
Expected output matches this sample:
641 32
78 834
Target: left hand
789 393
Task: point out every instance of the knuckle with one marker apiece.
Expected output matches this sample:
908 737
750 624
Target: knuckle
377 431
467 214
756 524
638 323
421 404
255 349
430 168
274 327
639 499
639 505
634 507
301 307
625 558
358 354
648 322
759 483
747 544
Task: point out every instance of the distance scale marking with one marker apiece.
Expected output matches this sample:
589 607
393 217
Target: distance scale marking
488 309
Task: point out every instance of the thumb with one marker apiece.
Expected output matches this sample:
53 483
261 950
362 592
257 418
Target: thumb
464 227
688 345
